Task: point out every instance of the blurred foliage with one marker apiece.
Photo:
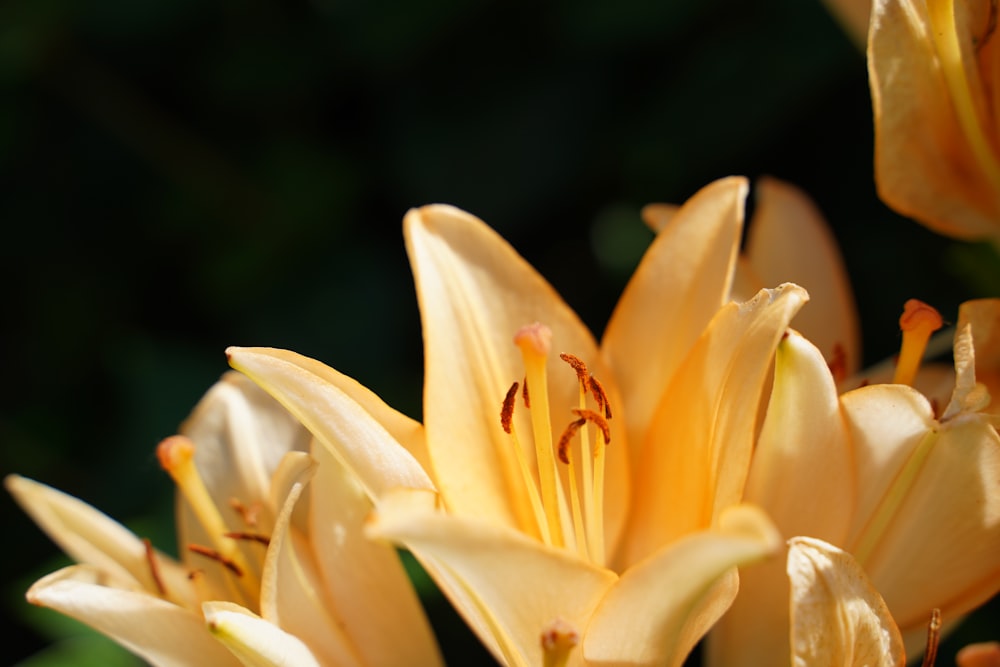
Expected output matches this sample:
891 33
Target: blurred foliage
179 176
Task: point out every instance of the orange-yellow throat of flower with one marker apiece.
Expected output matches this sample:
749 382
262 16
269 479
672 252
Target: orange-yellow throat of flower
580 526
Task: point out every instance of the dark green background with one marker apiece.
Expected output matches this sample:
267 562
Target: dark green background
182 175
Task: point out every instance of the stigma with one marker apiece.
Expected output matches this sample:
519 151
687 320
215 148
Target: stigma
567 504
917 323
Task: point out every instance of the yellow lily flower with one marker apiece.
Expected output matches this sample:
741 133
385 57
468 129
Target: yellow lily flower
596 519
911 490
275 566
933 75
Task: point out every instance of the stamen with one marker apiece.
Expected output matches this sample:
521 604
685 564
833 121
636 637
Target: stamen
507 411
250 537
567 436
574 496
228 563
507 422
154 569
600 396
597 420
578 366
535 341
524 395
933 638
917 322
558 641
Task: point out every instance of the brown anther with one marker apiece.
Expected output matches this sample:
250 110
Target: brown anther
600 396
216 556
933 638
597 420
507 411
248 513
250 537
154 569
524 394
578 366
565 438
838 363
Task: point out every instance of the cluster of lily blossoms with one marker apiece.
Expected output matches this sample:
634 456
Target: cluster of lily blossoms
717 470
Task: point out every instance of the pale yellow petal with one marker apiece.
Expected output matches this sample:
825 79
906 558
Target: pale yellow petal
697 452
375 601
293 595
946 529
475 292
802 475
301 384
932 163
254 641
663 606
788 240
983 315
161 633
510 588
683 279
838 617
92 538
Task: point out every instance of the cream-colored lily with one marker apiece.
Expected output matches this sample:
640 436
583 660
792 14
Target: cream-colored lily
601 524
910 490
934 81
275 564
838 617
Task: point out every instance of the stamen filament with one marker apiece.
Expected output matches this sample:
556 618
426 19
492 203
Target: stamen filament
154 569
534 341
917 322
507 422
566 456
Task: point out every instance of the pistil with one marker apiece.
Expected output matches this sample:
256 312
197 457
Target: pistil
917 322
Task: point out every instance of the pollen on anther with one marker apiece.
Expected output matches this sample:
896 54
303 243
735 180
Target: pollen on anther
600 396
578 365
507 411
567 435
524 394
597 420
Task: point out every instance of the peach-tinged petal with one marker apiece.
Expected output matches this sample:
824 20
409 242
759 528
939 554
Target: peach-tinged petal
91 537
663 606
983 316
658 215
160 632
375 600
789 241
838 617
853 16
475 292
802 475
335 419
931 163
509 587
697 452
254 641
983 654
681 282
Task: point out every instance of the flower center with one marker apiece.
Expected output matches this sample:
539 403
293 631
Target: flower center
176 456
573 518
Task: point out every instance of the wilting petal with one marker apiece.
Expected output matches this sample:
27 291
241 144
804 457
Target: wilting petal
789 241
697 452
682 280
335 419
254 641
983 315
92 538
663 606
935 157
158 631
838 617
475 292
366 581
509 587
802 475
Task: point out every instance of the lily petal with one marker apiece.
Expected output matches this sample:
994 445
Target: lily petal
838 617
802 474
160 632
663 606
788 240
475 292
697 453
682 280
510 588
92 538
304 387
254 641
